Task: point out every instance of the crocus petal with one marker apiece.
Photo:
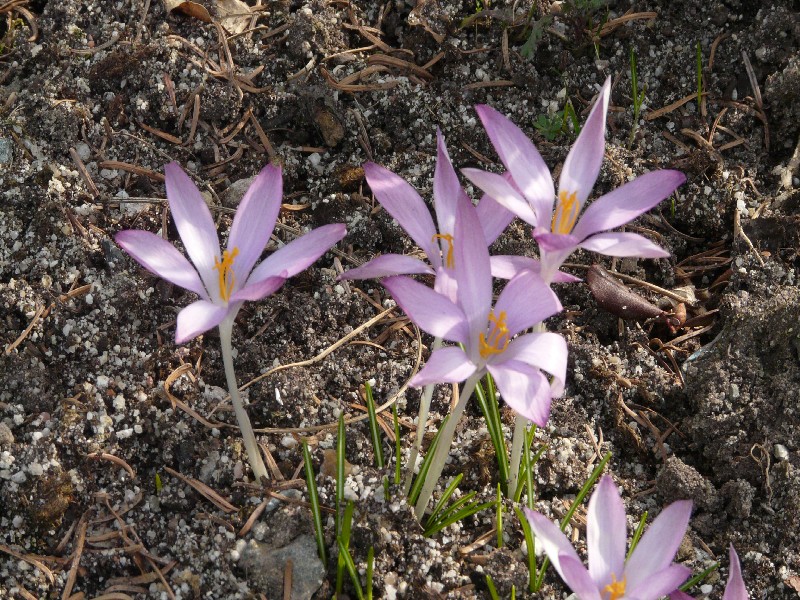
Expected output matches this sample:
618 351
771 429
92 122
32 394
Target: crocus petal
388 265
255 219
195 225
506 266
546 351
406 206
472 270
524 389
299 254
554 242
522 160
625 203
259 289
657 548
494 218
583 162
679 595
578 579
657 585
526 300
447 191
555 543
162 258
735 589
623 243
198 318
502 192
432 312
445 365
606 532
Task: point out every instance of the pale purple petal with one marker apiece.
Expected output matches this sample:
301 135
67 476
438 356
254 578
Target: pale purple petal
555 543
472 271
679 595
657 585
623 243
447 191
523 388
162 258
583 162
299 254
388 265
259 289
406 206
494 218
446 365
195 225
546 351
579 580
554 242
198 318
625 203
446 284
432 312
735 589
522 160
502 192
506 266
526 300
255 219
606 532
656 550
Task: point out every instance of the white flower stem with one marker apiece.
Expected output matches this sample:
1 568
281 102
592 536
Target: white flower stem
520 426
250 445
443 446
422 419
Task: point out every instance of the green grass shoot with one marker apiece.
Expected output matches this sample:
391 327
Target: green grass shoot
598 470
637 96
397 447
698 578
375 435
487 401
313 499
637 534
370 570
499 517
529 543
492 589
345 560
416 488
340 476
462 508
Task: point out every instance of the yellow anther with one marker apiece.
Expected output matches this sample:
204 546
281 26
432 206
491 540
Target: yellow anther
449 261
227 278
566 214
615 589
498 338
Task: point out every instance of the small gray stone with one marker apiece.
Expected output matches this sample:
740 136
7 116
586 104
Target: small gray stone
233 195
679 481
6 437
265 567
6 151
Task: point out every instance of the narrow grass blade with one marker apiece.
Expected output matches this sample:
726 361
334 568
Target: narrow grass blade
492 589
487 401
351 569
397 447
499 518
344 542
370 570
340 461
443 500
374 429
528 533
698 578
637 534
313 499
448 519
416 489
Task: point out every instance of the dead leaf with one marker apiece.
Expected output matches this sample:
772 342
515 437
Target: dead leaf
192 9
233 15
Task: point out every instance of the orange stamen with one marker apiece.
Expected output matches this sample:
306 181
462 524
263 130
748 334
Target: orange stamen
498 338
449 261
566 214
227 278
615 589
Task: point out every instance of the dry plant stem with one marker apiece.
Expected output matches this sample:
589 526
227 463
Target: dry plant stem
253 453
443 446
422 419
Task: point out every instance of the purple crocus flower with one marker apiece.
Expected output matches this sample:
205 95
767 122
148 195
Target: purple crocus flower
648 574
557 227
408 208
487 333
734 589
224 280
